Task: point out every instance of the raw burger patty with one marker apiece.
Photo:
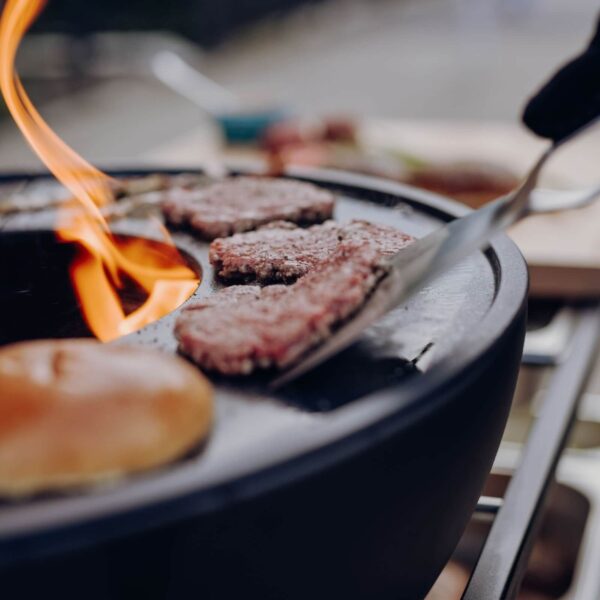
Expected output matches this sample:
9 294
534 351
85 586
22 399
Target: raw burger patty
283 252
244 203
244 328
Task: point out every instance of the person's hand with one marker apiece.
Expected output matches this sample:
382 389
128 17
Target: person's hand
570 99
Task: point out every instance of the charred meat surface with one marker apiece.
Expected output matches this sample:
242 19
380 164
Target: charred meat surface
281 252
273 253
244 328
245 203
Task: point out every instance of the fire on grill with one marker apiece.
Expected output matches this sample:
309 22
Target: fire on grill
147 409
103 264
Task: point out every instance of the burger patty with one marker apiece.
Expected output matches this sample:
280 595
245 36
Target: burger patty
281 252
244 328
244 203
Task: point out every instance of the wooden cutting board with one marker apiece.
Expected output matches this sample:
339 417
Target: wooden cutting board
563 253
562 250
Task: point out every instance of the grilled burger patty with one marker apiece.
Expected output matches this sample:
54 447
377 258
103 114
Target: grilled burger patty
245 203
244 328
281 252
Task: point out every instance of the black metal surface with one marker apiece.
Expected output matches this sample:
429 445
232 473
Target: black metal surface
37 300
366 500
503 561
377 524
35 289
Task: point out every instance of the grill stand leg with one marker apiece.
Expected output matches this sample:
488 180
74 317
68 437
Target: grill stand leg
503 560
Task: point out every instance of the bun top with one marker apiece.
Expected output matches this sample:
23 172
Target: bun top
77 411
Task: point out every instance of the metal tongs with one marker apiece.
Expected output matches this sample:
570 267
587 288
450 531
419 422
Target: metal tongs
415 266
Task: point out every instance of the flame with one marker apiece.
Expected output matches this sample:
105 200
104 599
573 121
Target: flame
105 264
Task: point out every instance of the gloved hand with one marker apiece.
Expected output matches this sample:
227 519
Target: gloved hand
570 99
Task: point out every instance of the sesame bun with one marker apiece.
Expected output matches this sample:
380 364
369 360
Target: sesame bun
76 411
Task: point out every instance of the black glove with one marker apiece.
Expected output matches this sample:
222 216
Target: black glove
570 99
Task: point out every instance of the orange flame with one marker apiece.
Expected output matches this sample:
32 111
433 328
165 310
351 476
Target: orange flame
104 262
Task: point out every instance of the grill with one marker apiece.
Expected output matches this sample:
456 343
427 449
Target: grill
377 426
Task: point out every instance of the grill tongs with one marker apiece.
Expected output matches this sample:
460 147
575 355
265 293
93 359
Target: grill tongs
416 265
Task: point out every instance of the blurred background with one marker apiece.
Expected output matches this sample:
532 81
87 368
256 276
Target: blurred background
87 64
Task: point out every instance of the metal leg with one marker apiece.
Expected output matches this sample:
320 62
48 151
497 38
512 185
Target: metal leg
502 563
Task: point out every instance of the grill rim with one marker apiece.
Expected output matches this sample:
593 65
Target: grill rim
119 516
